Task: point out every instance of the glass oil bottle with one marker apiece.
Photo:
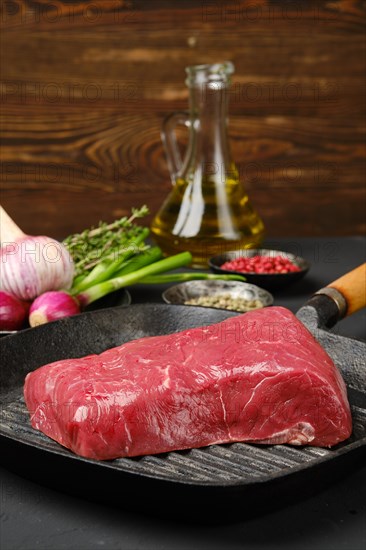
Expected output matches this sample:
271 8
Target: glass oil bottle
208 211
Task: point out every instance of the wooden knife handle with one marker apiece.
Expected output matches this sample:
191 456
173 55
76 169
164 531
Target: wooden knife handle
352 286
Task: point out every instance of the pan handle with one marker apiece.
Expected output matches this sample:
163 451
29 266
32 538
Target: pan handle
348 292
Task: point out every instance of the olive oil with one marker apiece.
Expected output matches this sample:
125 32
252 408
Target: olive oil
195 218
208 211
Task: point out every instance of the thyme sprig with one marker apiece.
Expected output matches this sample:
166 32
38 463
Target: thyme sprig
106 242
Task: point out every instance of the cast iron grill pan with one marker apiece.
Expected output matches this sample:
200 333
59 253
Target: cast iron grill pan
228 479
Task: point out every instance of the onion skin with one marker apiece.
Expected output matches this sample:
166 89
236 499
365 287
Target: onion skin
51 306
31 266
13 312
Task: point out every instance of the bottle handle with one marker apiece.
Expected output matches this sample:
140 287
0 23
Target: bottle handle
169 140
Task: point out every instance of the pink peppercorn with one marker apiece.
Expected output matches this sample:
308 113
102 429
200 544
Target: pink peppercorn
261 264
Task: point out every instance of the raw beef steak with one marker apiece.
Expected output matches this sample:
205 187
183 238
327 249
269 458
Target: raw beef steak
259 377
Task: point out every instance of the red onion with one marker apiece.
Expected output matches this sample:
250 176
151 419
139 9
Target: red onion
32 265
13 312
51 306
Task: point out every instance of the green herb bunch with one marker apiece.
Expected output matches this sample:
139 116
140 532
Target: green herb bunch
106 242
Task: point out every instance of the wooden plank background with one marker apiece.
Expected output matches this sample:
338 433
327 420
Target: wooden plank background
85 85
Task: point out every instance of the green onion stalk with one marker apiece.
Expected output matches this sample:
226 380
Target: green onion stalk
189 276
149 268
146 268
132 277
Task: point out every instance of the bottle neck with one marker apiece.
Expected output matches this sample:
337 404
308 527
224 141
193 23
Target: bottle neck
208 108
209 105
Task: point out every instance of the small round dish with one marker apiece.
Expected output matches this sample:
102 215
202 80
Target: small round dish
269 281
229 295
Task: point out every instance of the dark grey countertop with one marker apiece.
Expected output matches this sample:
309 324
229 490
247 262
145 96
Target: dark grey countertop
334 518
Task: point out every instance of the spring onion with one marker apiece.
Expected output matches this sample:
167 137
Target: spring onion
51 306
55 305
188 276
102 289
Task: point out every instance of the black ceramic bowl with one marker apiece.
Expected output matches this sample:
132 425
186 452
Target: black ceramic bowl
269 281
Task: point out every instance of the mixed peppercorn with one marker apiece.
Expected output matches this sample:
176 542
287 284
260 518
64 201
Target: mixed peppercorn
225 301
261 264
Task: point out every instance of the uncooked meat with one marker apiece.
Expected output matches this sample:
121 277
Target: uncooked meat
259 377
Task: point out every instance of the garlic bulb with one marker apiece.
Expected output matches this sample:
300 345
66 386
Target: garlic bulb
32 265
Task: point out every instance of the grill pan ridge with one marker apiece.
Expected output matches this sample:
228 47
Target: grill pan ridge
227 464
